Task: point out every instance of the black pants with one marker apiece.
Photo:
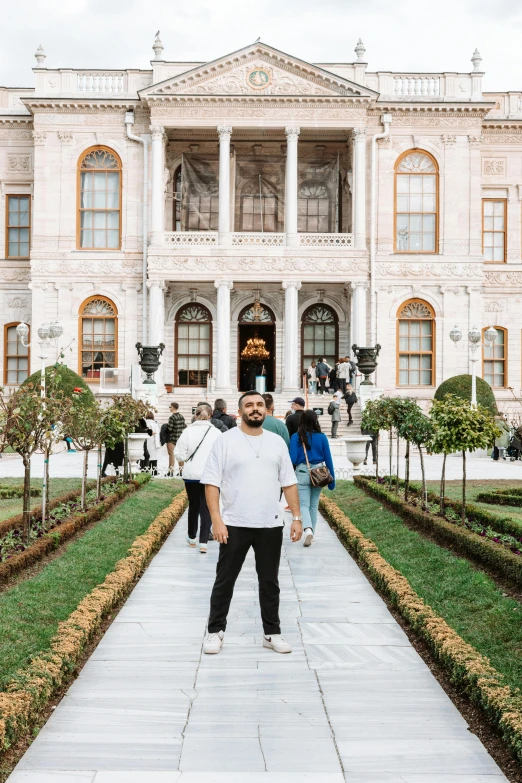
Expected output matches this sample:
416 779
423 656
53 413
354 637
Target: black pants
335 425
341 382
349 406
322 385
373 444
198 508
266 542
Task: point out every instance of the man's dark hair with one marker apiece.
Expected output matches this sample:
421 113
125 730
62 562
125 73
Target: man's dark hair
250 393
307 423
174 405
269 400
220 405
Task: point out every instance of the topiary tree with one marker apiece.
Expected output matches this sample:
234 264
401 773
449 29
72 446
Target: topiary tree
460 386
60 378
409 419
459 427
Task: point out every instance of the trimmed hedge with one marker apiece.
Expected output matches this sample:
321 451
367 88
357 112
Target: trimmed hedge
31 689
460 386
494 557
8 493
500 498
66 530
35 513
466 666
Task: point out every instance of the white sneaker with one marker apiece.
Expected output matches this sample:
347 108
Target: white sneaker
191 541
308 536
203 548
276 643
213 643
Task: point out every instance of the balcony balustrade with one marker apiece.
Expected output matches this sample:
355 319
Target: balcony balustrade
252 239
107 83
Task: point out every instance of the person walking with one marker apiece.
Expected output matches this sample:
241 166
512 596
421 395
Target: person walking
220 414
350 399
175 426
502 440
292 421
312 378
334 409
332 377
152 443
192 450
246 469
271 423
374 443
114 455
352 371
342 374
309 442
217 423
323 370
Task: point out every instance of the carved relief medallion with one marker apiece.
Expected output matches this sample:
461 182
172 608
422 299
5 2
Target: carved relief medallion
259 78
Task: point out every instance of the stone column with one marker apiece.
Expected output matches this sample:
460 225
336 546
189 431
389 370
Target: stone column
157 186
223 334
157 324
292 135
224 184
359 314
359 189
291 369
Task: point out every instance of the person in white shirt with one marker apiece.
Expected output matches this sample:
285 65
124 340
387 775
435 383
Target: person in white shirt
191 451
312 378
152 443
247 467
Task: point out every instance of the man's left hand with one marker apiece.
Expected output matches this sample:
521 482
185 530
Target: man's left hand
296 531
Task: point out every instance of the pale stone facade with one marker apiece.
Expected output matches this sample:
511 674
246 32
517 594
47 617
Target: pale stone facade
263 107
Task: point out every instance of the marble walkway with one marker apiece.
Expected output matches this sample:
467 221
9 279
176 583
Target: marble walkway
353 702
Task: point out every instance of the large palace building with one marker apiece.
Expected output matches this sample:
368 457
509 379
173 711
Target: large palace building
311 206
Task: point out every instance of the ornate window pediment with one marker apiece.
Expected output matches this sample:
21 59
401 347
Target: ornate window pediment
194 314
257 314
319 314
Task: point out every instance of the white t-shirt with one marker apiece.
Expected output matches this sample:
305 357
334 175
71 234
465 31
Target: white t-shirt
250 485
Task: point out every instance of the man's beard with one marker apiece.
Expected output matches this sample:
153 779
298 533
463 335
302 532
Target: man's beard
254 423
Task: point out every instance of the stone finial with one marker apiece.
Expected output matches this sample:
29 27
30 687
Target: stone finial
476 60
158 47
40 56
360 51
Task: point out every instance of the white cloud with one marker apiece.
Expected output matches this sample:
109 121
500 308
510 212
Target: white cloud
412 35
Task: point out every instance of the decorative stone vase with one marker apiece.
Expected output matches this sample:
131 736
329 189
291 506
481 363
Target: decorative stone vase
356 449
366 361
135 442
149 359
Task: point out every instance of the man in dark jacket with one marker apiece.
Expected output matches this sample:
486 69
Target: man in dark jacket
217 423
220 413
175 426
323 371
292 422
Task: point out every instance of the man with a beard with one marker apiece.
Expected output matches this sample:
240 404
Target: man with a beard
247 467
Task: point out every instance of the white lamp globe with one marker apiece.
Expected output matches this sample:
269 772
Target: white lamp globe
490 335
22 330
474 335
55 330
456 334
43 331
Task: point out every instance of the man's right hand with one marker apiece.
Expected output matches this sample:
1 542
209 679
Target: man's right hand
220 531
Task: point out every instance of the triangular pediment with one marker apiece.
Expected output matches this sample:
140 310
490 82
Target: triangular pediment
258 70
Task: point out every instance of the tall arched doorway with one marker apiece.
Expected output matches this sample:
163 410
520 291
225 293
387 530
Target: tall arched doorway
319 335
256 321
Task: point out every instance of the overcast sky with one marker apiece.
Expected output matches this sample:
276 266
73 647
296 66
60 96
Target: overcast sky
400 35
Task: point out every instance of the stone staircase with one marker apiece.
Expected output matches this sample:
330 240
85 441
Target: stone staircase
187 399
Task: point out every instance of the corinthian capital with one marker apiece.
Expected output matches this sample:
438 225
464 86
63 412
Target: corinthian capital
157 131
224 130
359 134
292 133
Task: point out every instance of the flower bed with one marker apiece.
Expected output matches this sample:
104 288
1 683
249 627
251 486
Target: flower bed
499 552
30 690
466 666
63 523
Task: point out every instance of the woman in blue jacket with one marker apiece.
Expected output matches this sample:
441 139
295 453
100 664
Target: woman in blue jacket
318 449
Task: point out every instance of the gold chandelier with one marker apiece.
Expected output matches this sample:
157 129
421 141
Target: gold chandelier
255 350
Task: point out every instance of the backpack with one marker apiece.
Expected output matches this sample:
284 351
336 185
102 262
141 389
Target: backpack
331 409
163 434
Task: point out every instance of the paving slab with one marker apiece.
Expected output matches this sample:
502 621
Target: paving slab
353 703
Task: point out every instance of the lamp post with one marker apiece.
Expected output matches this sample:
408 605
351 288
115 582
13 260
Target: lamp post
49 334
474 342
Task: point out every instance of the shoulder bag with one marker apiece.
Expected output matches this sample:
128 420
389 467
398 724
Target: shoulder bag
320 476
196 449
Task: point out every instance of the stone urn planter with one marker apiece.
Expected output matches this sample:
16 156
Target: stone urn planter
366 361
356 449
149 359
135 441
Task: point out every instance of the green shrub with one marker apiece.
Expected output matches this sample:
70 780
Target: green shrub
460 386
500 498
58 377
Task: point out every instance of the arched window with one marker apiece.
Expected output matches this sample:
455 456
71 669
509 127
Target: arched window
99 200
416 344
98 336
177 199
494 359
16 356
319 335
416 203
193 345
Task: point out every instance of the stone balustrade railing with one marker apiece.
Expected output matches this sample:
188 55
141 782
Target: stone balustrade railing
254 239
417 85
105 82
190 238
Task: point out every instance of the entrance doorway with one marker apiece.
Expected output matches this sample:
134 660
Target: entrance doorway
256 321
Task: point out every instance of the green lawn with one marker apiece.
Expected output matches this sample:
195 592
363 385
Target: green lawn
11 506
454 491
31 610
469 601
